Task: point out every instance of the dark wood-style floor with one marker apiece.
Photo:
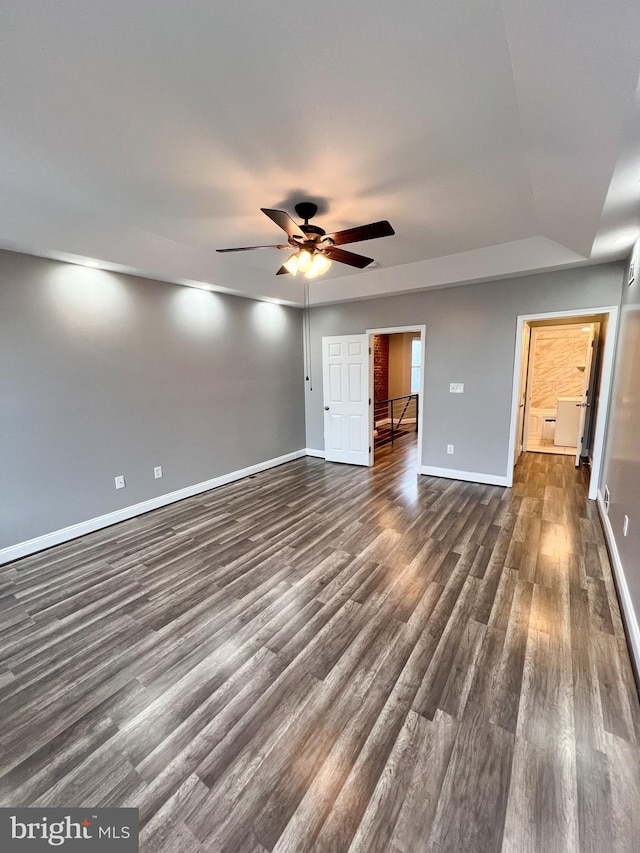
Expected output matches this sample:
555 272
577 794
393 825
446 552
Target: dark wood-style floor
329 658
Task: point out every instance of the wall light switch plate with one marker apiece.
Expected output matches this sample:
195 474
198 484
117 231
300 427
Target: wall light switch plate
157 472
120 483
456 388
449 448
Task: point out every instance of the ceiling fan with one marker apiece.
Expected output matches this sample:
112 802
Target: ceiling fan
314 248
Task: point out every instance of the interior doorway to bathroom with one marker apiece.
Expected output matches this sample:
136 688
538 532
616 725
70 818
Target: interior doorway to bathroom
397 392
562 376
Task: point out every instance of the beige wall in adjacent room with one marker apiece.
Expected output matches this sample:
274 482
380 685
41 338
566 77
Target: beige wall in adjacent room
400 363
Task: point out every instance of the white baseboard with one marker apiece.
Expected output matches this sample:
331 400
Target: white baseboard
31 546
631 621
467 476
311 452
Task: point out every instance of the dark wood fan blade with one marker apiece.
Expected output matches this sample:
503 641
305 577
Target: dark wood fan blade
249 248
347 257
363 232
282 271
284 221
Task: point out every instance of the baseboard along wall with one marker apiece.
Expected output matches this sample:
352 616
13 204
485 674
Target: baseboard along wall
467 476
56 537
624 596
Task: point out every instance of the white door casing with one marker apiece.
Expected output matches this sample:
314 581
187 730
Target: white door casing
421 329
345 380
524 367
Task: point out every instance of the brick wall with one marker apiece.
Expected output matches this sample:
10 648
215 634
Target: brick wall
380 367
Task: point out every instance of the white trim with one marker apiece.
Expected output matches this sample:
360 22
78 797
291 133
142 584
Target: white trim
396 330
319 454
602 414
467 476
605 385
624 596
534 331
572 312
32 546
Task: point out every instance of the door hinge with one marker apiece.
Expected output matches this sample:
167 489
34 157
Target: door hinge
369 400
369 350
369 448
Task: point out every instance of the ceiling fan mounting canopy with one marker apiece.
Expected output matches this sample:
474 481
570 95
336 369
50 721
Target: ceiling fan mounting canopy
314 240
306 210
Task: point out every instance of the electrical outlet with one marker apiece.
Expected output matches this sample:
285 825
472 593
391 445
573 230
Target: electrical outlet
120 483
449 448
456 387
625 525
157 472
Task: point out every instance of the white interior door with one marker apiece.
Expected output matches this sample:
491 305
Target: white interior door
345 379
586 401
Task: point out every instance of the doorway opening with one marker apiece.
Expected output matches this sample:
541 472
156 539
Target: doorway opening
397 392
348 396
562 379
562 374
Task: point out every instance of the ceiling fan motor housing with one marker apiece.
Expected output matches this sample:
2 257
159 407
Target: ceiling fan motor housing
313 229
315 237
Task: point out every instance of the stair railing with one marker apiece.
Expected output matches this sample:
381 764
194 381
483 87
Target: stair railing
388 424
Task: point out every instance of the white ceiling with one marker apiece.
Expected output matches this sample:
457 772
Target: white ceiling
497 137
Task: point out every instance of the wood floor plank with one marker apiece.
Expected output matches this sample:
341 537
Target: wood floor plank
543 809
625 795
434 744
332 658
476 783
613 692
506 697
595 805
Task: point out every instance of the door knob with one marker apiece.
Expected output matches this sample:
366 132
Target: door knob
326 408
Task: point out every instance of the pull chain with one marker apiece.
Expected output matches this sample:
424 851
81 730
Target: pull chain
307 334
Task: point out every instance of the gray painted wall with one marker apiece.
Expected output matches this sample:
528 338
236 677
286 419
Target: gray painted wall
104 374
621 472
470 338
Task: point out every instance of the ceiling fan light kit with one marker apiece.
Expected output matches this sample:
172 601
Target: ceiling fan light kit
312 265
315 249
